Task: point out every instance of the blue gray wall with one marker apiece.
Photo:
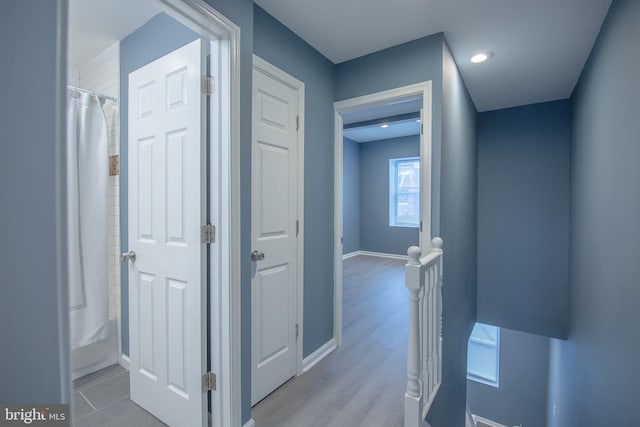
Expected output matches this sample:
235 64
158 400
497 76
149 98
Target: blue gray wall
156 38
350 196
282 48
34 354
596 369
523 218
376 235
458 227
412 62
522 395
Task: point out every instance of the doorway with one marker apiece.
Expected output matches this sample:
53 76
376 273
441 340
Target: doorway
103 78
372 110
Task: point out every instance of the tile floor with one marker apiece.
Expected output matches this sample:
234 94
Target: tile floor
102 399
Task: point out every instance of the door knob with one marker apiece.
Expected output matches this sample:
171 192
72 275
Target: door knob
128 256
257 256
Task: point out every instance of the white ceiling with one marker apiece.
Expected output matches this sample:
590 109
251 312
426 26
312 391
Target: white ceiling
540 46
94 25
380 111
374 132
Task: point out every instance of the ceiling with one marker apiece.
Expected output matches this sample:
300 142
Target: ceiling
370 117
375 132
540 46
94 25
380 111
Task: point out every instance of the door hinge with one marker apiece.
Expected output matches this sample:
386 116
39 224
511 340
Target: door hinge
421 226
208 382
421 129
297 331
208 234
297 227
297 123
208 85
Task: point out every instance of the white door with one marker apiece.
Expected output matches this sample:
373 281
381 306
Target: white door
166 211
273 234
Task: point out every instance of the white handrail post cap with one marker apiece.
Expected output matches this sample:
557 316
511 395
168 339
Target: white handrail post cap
414 253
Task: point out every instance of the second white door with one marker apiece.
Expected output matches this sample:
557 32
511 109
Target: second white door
274 230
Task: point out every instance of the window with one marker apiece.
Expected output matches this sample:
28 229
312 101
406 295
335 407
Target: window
404 192
483 354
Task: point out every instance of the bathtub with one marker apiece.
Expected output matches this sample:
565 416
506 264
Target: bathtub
93 357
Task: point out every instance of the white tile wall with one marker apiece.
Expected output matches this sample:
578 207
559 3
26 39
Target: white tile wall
102 74
74 76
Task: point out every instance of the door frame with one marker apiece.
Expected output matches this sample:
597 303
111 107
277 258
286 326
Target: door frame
224 206
225 300
423 90
288 80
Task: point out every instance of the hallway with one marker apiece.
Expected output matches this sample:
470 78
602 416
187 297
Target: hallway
363 382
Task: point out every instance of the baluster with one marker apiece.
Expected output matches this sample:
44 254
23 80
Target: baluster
436 246
413 396
436 326
423 341
425 336
413 354
431 334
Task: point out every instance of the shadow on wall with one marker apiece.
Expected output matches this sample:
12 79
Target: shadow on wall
521 397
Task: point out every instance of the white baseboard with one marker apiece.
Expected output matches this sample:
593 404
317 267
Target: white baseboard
250 423
124 361
350 254
483 421
377 254
314 358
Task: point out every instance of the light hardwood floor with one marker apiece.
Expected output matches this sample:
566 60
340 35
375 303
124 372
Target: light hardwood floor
363 382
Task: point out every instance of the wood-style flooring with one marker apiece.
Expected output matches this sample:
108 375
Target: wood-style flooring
363 382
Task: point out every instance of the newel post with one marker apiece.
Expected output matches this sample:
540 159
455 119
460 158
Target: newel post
413 396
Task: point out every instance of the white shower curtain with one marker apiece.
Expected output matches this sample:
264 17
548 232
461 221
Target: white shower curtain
87 189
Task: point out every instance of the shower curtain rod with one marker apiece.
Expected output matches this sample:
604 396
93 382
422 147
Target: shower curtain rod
90 92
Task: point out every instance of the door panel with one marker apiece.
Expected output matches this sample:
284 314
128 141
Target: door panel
166 211
273 229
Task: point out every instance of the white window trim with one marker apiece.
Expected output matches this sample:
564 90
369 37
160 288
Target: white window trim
393 191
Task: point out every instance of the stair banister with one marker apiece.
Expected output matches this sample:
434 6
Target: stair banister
423 276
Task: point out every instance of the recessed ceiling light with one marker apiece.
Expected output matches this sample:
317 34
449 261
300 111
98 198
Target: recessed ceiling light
384 126
481 57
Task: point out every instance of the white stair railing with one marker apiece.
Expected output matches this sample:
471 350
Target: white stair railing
424 356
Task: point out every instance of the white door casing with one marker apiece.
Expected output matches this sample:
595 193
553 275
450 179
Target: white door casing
426 172
166 211
418 90
275 232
